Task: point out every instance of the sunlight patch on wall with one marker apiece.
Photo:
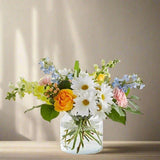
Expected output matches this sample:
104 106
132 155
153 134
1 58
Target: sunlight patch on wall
35 58
1 59
21 59
38 132
21 69
79 51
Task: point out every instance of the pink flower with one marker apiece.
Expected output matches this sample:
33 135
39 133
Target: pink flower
45 80
120 96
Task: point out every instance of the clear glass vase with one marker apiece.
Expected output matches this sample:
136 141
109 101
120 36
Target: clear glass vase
81 135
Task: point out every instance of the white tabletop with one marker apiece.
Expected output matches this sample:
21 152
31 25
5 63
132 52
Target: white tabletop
113 150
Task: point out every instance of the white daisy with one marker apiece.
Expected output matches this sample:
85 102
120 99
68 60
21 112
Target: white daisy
105 94
82 83
85 104
100 113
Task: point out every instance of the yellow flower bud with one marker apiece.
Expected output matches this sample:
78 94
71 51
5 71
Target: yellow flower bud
100 77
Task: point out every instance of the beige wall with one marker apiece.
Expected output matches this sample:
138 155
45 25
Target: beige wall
88 30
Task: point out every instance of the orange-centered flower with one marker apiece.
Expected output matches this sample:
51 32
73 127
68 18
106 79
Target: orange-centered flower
100 77
64 100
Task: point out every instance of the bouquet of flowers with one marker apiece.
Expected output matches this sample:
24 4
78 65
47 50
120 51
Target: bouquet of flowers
85 97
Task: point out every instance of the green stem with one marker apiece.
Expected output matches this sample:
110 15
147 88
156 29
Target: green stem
78 148
86 137
65 137
94 130
69 140
97 135
81 138
93 137
32 108
76 134
84 131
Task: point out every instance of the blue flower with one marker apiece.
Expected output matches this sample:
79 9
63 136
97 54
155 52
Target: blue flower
70 76
134 77
48 70
46 66
132 83
54 81
125 88
116 83
55 75
125 78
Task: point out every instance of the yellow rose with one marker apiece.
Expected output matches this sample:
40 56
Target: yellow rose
64 100
100 77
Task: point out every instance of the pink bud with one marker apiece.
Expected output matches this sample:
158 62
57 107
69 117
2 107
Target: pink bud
45 80
120 96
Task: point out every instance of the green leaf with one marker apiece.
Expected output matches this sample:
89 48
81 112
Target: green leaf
116 117
129 109
64 85
119 110
48 113
128 91
11 95
133 104
134 97
76 69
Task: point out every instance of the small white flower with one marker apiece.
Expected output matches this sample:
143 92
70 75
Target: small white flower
83 74
11 85
85 104
64 72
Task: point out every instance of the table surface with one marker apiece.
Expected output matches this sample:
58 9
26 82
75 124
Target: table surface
112 150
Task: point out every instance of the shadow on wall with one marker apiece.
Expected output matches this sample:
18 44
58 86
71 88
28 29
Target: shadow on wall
30 30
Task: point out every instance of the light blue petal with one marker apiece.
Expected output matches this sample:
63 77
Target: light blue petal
142 86
134 77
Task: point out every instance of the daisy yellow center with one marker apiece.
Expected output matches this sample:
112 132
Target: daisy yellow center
99 107
103 97
85 87
85 102
97 88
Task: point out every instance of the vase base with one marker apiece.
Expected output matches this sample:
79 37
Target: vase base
83 150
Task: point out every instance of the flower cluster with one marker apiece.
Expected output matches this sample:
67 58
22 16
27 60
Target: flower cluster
128 82
81 93
92 98
84 96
